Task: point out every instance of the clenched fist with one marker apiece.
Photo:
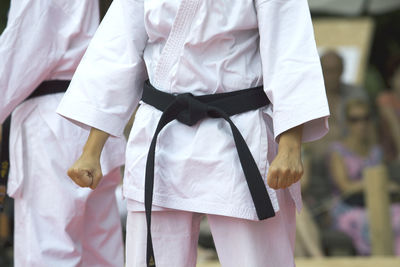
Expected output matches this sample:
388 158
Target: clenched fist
86 172
287 168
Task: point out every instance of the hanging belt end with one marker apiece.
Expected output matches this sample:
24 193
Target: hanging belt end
265 213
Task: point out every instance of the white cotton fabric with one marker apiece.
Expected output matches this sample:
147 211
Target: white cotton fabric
239 242
201 47
45 40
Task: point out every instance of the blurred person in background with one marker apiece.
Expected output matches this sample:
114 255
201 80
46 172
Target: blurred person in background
308 238
388 103
337 92
318 187
56 223
349 156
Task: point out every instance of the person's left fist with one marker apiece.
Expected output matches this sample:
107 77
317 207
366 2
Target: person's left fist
285 170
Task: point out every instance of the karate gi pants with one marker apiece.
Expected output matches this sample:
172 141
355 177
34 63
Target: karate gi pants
239 242
60 227
57 223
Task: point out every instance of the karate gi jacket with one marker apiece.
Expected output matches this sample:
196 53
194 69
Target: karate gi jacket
44 40
201 47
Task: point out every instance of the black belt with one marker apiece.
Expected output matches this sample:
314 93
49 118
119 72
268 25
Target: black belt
189 110
45 88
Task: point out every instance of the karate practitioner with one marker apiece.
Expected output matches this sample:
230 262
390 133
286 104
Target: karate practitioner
56 222
203 48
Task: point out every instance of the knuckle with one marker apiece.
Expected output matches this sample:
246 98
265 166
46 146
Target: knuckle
71 172
278 171
271 184
273 169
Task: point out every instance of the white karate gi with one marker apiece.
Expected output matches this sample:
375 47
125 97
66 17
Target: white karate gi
202 47
56 222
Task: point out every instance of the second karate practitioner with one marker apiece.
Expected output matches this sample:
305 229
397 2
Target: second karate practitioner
56 222
222 83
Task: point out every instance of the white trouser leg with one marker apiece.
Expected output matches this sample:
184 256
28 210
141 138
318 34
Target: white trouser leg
102 235
54 218
61 227
175 235
267 243
239 242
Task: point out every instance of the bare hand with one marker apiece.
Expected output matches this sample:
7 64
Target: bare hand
86 172
285 170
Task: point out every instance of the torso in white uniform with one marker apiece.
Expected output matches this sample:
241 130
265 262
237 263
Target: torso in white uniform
45 40
202 47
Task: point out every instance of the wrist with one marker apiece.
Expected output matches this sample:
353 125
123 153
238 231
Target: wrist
92 152
290 140
95 143
292 149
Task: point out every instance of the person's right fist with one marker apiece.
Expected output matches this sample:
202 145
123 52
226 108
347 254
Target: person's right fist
86 172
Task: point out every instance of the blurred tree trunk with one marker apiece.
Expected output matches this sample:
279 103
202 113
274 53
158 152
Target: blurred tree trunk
378 207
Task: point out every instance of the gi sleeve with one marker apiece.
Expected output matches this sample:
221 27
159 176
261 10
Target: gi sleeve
108 83
292 72
30 47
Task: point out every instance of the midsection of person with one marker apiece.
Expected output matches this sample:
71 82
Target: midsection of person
44 41
60 131
192 160
219 53
56 60
201 47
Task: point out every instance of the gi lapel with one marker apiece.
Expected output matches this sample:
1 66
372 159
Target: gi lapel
176 39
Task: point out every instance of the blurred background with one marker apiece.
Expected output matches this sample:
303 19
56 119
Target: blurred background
351 185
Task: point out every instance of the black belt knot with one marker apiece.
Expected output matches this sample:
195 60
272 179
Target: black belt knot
189 110
193 110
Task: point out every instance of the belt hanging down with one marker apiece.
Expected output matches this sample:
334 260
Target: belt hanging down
45 88
189 109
